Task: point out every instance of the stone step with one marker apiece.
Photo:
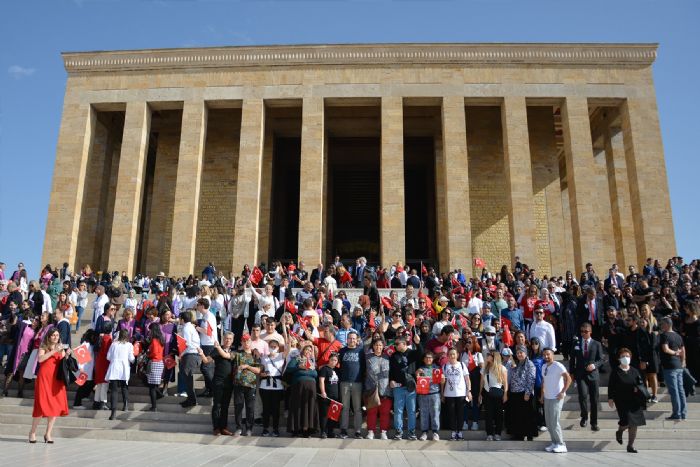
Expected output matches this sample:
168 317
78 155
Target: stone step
599 444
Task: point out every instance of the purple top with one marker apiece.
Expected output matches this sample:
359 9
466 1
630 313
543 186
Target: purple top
168 330
26 334
129 326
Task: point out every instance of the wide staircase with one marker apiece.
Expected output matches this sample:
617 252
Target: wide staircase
174 424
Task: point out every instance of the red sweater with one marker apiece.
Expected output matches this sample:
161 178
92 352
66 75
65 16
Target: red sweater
155 351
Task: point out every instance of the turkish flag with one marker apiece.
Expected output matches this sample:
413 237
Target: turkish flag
422 385
169 362
386 301
506 323
290 306
334 410
412 321
137 349
423 270
390 350
303 324
437 375
256 276
210 331
506 337
181 344
372 323
479 263
463 321
82 354
81 378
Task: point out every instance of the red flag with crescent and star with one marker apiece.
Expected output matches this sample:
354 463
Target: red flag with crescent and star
82 354
334 410
423 385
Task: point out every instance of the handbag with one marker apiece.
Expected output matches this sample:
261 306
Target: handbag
371 398
641 393
496 393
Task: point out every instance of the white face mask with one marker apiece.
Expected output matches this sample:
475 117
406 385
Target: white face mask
489 339
625 361
273 351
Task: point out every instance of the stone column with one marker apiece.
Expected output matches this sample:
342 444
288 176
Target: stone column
266 197
580 173
648 182
130 178
247 223
517 164
622 220
455 177
187 187
75 140
392 232
312 173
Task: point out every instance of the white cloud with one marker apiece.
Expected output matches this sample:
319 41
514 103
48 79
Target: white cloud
18 71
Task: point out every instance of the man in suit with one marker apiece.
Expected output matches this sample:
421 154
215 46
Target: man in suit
318 274
358 272
590 309
612 279
280 291
586 359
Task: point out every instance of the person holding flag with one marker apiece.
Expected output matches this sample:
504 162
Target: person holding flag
402 367
302 419
206 327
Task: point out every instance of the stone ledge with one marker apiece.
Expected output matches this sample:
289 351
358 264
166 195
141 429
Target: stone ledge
361 54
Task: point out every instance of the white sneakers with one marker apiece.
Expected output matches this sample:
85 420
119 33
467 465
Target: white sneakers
475 426
543 429
497 437
383 435
489 438
423 436
436 437
557 448
370 434
550 447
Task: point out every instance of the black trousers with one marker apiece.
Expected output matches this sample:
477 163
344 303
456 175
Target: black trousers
244 397
237 326
188 364
588 396
454 406
83 392
494 415
221 392
271 401
113 386
326 424
207 369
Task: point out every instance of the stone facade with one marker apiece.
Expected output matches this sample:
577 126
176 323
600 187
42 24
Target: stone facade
539 150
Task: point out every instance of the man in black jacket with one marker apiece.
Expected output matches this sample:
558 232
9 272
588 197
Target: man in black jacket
402 367
586 359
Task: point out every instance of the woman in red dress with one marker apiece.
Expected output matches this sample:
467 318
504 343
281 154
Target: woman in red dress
50 398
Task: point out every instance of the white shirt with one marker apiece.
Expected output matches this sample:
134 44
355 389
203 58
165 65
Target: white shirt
545 332
552 379
475 305
455 383
120 356
190 334
274 366
204 339
47 302
331 284
98 308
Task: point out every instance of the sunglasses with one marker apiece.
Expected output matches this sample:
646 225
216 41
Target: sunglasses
490 334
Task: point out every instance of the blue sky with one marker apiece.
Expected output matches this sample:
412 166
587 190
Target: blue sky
32 78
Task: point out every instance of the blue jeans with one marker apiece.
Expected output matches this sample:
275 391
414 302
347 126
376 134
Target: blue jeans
674 384
429 412
80 310
5 349
404 399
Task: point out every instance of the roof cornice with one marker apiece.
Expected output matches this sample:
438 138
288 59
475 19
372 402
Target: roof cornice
361 54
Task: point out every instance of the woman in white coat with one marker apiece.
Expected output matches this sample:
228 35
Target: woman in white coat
120 356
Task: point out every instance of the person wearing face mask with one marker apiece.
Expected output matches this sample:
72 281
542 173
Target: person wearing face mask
271 389
624 395
222 384
489 342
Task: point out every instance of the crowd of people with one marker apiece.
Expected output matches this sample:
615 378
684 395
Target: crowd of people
448 353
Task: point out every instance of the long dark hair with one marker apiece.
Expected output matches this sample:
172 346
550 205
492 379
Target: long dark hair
156 333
